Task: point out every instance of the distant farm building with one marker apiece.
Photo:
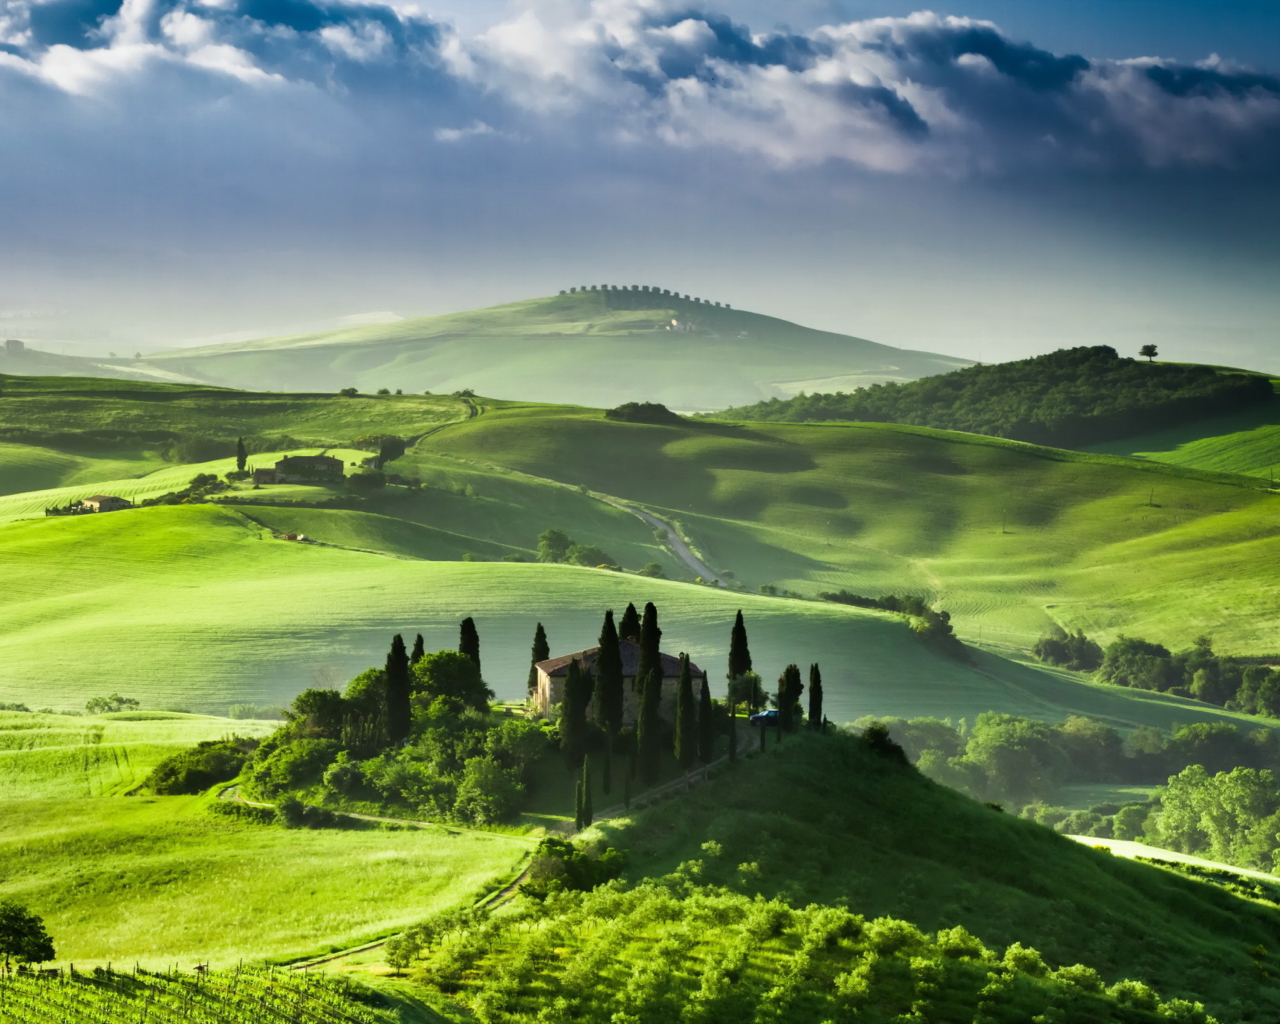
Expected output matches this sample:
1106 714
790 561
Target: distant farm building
301 469
88 506
552 672
13 346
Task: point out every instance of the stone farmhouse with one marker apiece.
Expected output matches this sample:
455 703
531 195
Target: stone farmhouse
88 506
552 672
301 469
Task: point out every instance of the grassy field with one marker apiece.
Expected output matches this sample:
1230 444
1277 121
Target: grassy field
568 348
158 880
1247 442
64 756
220 612
1009 537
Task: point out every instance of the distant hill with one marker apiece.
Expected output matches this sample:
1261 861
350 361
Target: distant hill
1067 398
590 347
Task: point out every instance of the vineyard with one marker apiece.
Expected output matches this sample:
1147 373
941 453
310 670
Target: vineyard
239 996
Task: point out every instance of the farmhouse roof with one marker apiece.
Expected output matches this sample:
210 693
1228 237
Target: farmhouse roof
630 661
102 497
327 461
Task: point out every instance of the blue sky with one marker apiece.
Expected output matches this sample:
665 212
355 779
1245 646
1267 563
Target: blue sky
991 181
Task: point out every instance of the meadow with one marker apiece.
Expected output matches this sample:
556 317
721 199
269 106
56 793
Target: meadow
567 348
147 879
1010 538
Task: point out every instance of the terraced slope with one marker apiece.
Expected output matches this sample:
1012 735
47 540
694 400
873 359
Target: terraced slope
579 348
1009 537
199 607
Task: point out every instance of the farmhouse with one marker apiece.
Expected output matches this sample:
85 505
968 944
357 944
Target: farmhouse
105 503
552 672
301 469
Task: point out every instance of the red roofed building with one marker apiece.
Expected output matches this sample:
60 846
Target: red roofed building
552 672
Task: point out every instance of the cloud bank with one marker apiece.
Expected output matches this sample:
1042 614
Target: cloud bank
920 95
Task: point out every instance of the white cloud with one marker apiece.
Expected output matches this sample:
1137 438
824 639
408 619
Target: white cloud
456 134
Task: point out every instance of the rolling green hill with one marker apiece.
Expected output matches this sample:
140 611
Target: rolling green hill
1009 537
588 348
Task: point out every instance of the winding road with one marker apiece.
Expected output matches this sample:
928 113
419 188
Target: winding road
678 546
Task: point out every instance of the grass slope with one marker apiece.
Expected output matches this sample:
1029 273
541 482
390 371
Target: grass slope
33 468
1009 537
568 348
823 819
56 756
158 880
1247 442
206 608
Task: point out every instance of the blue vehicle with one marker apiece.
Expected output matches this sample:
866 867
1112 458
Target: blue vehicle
769 717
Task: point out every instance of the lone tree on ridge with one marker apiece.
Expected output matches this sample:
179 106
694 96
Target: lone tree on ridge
1149 351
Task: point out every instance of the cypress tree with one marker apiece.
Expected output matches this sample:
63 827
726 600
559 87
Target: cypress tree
815 697
586 812
242 455
419 649
469 640
573 714
686 729
629 627
733 732
608 690
399 710
541 652
739 652
706 727
789 690
650 645
606 776
649 726
577 807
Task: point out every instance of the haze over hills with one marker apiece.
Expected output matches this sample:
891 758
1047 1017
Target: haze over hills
590 347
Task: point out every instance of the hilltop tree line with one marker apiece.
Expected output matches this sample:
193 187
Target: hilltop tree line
1071 397
1197 672
643 296
930 625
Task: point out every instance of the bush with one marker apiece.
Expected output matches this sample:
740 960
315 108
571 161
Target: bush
488 793
241 712
559 866
644 412
292 766
109 705
204 765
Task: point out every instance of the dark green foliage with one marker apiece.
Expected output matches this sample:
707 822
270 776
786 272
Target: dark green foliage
247 813
451 674
1067 398
318 713
788 698
649 727
559 866
295 765
577 806
204 765
367 480
878 740
109 705
553 546
644 412
1069 650
650 640
739 651
1197 672
487 792
706 724
573 714
399 713
815 697
586 813
1149 352
606 773
22 936
469 640
686 746
541 652
242 455
390 449
733 732
11 706
608 697
748 690
419 649
629 627
932 626
348 392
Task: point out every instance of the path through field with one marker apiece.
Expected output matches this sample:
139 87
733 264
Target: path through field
678 545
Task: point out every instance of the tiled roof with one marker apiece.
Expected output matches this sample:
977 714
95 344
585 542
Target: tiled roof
630 661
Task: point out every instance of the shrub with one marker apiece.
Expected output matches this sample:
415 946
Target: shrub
109 705
643 412
292 766
488 793
204 765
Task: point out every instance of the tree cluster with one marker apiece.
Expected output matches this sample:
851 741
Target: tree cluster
204 765
643 412
930 625
1067 398
558 546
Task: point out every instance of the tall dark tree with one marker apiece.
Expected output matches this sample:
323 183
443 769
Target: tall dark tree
577 806
649 727
22 936
606 775
686 724
739 652
399 709
469 640
629 627
573 714
650 644
733 734
608 695
587 813
706 724
242 454
789 690
541 652
419 649
815 697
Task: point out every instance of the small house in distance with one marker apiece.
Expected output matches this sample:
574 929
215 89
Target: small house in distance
106 503
301 469
552 672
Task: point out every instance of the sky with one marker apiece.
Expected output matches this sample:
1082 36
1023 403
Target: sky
989 180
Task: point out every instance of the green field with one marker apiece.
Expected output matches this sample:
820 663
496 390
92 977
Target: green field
1009 537
568 348
65 756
